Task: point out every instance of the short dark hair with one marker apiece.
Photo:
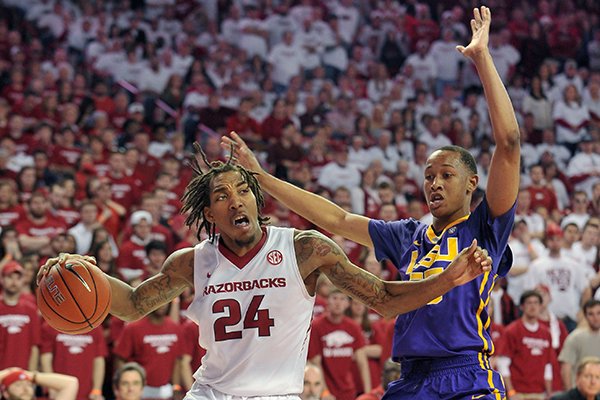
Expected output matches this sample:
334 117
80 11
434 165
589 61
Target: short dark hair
465 157
156 245
197 192
530 293
589 304
130 366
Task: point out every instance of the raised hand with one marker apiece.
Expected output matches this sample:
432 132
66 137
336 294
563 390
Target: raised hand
61 259
469 264
241 152
480 27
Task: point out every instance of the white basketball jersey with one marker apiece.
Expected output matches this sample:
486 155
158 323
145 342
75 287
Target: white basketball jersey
254 317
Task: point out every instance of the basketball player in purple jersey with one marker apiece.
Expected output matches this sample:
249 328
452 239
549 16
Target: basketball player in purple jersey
444 346
254 288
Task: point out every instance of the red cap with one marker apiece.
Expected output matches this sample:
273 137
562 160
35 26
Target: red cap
12 267
15 376
553 230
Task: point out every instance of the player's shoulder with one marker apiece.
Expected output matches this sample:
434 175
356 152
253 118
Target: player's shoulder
400 226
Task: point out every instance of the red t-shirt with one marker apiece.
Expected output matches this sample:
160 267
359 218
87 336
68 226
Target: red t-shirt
71 216
562 332
336 344
19 331
542 197
132 255
155 347
529 353
50 228
191 335
10 215
125 190
320 306
74 354
157 232
66 156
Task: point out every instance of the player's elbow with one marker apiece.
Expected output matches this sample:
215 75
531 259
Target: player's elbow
510 142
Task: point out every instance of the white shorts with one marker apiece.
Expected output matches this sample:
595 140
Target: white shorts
203 392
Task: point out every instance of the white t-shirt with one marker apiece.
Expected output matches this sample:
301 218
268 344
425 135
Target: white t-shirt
566 282
254 316
286 62
333 176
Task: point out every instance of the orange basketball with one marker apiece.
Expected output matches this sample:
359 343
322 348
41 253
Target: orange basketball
74 297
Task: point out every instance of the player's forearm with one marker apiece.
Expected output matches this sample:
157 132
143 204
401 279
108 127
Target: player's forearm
407 296
320 211
131 304
502 115
314 208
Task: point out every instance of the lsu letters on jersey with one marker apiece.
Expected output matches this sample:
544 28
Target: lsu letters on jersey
254 314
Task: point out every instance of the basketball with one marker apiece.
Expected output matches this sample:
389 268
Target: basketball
74 297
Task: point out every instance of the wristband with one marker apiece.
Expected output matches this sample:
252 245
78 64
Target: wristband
34 378
95 392
177 388
512 392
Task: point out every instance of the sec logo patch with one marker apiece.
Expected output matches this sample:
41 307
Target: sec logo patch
275 257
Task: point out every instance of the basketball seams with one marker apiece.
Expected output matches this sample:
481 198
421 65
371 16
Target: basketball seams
54 311
59 270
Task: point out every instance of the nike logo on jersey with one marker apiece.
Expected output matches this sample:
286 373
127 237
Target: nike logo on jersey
478 396
417 243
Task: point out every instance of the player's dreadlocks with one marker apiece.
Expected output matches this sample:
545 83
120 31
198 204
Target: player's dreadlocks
197 192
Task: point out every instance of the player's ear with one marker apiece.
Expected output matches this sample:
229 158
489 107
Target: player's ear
472 183
208 215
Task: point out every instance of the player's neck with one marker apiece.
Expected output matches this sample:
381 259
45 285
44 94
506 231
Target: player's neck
439 224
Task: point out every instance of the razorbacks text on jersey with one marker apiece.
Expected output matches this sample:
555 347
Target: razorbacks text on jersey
254 314
456 323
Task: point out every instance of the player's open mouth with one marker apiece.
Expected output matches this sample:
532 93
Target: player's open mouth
241 221
435 200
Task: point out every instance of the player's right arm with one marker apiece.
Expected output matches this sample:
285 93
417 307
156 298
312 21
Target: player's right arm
316 252
314 208
504 175
129 303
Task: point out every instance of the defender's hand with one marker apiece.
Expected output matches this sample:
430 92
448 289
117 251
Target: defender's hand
468 265
61 259
480 26
241 152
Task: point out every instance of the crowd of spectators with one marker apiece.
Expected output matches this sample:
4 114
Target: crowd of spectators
100 102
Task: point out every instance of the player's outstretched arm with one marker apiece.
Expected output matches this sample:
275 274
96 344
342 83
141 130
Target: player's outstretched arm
314 208
316 251
503 179
130 304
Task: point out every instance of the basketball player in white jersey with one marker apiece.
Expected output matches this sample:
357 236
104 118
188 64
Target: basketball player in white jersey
255 284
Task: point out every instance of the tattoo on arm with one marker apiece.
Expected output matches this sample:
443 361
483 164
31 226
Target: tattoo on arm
359 284
153 293
159 290
318 249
